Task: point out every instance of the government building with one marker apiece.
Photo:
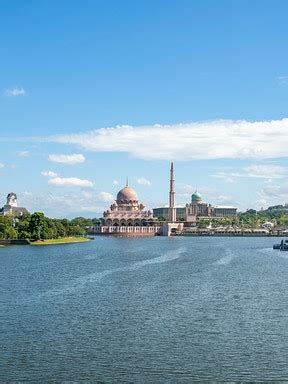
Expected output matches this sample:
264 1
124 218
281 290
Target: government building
163 213
197 208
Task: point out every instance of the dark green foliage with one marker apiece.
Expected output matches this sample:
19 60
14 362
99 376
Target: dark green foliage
39 227
7 227
97 221
83 222
247 220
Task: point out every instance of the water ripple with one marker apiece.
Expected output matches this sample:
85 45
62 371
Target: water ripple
81 282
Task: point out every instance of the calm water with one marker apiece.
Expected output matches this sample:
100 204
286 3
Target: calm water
145 310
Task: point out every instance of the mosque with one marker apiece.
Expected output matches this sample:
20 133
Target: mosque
128 217
127 211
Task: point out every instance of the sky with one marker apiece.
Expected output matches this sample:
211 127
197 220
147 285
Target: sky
94 91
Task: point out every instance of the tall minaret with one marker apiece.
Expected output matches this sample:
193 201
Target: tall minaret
172 205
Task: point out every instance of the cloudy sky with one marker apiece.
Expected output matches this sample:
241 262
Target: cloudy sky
94 91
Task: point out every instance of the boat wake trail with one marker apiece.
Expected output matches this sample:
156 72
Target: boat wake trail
269 250
225 260
81 282
169 256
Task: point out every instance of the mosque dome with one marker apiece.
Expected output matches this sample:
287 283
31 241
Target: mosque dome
126 194
196 197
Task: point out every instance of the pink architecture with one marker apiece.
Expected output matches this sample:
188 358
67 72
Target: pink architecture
127 217
127 211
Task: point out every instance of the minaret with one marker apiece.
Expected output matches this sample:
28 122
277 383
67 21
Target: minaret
172 205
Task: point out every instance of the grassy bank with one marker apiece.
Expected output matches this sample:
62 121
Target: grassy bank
62 240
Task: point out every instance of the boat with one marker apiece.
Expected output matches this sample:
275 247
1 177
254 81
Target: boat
283 246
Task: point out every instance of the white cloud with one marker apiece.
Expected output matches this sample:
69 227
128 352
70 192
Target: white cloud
66 202
58 181
70 182
202 140
229 177
67 159
59 204
1 165
283 80
49 174
143 181
90 208
23 154
269 171
273 194
262 171
184 189
15 91
115 182
87 194
105 197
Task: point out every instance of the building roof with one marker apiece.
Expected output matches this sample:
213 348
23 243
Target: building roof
196 196
126 194
11 194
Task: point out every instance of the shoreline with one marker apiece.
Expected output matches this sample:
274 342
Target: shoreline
64 240
192 235
74 240
231 235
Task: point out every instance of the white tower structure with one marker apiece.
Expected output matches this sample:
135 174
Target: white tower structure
12 200
171 226
172 197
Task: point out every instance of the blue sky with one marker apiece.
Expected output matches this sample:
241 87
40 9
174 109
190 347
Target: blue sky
93 91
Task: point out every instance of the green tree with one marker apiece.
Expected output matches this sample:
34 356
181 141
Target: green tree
82 221
96 221
38 226
22 227
202 223
7 227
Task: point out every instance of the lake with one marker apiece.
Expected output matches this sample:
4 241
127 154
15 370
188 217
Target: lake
145 310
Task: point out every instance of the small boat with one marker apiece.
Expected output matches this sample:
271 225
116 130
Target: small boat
283 246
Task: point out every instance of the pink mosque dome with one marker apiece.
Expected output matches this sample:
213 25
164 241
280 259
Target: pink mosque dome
126 194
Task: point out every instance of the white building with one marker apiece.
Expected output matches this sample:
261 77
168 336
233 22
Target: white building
11 206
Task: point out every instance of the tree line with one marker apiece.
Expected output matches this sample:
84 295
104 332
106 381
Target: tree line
247 220
37 226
